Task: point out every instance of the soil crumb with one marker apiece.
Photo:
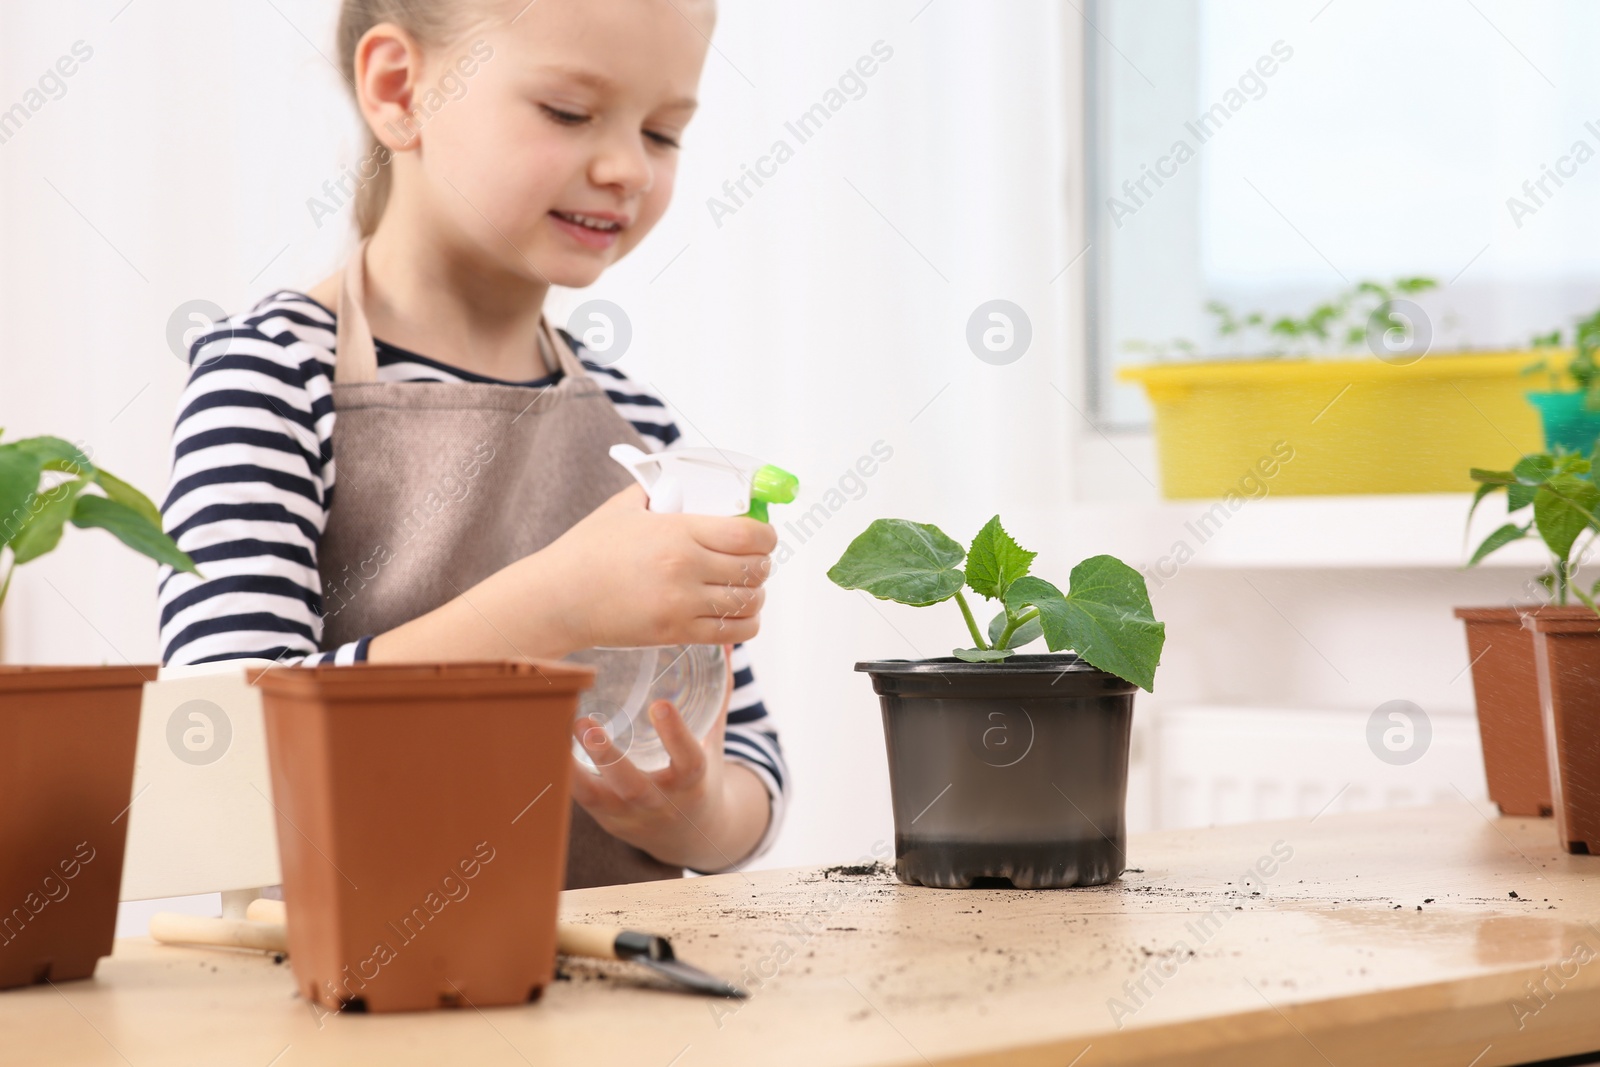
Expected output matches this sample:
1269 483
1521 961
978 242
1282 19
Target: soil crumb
856 870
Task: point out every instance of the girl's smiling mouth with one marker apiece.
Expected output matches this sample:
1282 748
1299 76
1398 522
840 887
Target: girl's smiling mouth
597 229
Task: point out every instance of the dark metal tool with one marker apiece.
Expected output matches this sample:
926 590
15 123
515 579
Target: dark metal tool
647 950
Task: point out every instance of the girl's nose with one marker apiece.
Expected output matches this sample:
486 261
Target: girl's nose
622 161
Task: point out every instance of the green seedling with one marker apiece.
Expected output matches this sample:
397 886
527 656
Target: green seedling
1565 499
1582 373
1105 616
36 504
1337 324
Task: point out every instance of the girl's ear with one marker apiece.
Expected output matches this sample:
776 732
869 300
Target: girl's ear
388 64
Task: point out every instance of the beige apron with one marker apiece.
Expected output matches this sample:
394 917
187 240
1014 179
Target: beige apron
440 484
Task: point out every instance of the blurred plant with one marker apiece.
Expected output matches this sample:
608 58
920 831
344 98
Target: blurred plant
1565 499
32 515
1105 618
1333 325
1581 374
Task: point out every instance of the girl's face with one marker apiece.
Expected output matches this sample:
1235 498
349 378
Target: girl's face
551 143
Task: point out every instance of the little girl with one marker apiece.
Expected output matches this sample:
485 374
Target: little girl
406 463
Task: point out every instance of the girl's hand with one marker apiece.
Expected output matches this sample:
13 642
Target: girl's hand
632 577
700 811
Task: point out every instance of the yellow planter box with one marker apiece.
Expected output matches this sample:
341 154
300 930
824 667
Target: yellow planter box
1319 426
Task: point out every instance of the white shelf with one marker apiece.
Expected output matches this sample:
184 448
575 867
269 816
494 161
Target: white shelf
1423 531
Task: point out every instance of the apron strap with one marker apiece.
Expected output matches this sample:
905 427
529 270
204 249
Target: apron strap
565 357
355 355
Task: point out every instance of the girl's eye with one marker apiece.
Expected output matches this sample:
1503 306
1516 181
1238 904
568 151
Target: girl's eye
661 139
566 118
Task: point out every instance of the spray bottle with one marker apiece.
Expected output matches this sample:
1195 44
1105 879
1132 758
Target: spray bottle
695 678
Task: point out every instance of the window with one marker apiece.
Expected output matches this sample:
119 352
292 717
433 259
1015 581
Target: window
1269 154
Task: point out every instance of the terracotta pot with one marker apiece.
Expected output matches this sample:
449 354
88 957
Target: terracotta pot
1506 685
1567 650
66 781
422 828
1006 773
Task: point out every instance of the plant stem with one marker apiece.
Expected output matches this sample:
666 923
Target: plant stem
6 585
1012 624
972 625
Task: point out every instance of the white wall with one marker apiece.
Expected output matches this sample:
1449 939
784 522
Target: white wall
827 314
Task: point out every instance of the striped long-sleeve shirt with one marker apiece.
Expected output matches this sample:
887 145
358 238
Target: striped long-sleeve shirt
253 472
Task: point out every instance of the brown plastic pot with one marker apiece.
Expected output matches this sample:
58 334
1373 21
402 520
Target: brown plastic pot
1506 685
1566 643
422 828
66 780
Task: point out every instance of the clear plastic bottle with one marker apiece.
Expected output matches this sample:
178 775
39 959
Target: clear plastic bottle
694 678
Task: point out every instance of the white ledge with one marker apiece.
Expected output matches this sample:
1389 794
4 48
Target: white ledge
1387 531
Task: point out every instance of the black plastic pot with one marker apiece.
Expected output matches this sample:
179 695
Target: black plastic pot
1006 772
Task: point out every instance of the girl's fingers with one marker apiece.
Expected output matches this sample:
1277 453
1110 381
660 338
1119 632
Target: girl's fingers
739 536
722 631
586 789
733 601
628 782
688 758
747 571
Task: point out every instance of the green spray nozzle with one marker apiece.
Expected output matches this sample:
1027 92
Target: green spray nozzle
771 485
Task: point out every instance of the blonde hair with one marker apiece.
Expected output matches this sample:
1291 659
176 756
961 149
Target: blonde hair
432 23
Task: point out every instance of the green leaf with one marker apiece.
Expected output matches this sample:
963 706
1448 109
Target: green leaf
57 454
1499 539
995 561
1519 496
1477 498
1028 631
128 496
132 529
19 479
909 562
1106 618
982 655
1535 469
62 455
42 530
1562 509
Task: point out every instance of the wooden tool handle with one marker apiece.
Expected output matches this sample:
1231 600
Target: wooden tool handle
597 942
227 933
263 927
263 910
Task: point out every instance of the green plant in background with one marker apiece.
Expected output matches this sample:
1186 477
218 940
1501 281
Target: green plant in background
1105 617
1339 323
1582 373
1561 489
33 515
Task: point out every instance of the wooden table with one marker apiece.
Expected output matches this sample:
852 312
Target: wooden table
1273 943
